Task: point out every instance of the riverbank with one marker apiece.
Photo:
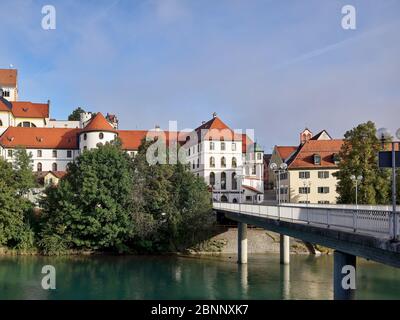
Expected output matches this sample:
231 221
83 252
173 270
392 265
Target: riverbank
223 241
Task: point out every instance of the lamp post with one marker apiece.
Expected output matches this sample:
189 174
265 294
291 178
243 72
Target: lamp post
278 170
307 184
356 180
384 135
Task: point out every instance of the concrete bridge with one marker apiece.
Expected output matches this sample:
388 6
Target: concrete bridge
350 231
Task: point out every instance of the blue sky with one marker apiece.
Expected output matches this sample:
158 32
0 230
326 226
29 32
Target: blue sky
272 66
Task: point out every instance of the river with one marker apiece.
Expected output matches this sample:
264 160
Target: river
171 277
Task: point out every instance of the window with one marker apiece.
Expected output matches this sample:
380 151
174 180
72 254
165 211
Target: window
234 181
304 190
193 165
317 159
1 123
85 137
323 189
39 167
284 190
304 174
10 153
223 162
212 178
212 162
54 153
233 146
39 153
258 156
6 93
54 166
304 201
198 162
212 147
223 180
336 158
323 202
26 124
248 198
222 146
284 176
253 169
323 174
189 152
101 135
224 199
234 162
69 154
247 170
84 148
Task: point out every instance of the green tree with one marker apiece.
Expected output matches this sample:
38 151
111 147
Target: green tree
76 114
91 207
359 156
24 177
172 206
15 231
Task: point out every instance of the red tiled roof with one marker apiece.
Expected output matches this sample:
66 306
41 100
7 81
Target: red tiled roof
251 189
324 148
27 109
285 151
98 123
57 174
40 138
216 129
8 77
132 139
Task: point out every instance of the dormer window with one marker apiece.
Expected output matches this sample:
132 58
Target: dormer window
25 109
317 159
336 158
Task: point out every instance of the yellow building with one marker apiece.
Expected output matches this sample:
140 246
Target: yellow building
310 167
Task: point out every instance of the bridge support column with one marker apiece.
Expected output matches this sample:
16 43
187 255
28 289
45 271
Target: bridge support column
344 276
284 249
242 242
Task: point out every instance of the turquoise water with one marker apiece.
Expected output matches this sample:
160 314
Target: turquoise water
170 277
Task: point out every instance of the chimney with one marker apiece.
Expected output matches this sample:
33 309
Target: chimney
305 135
157 127
214 114
203 122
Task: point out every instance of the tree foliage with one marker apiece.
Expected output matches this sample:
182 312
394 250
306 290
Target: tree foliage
15 231
172 207
76 114
90 208
24 177
359 156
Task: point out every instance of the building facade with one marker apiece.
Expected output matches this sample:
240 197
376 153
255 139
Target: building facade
230 163
8 84
309 177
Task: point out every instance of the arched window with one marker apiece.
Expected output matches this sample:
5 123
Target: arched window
101 135
54 166
234 200
224 199
85 136
212 162
212 178
234 181
223 180
39 167
223 162
234 162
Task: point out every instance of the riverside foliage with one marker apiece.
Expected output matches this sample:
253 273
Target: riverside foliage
107 202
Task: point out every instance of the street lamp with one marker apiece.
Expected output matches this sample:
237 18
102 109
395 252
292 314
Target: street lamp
384 135
278 170
307 184
356 180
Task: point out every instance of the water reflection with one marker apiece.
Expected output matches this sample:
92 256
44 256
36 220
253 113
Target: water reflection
168 277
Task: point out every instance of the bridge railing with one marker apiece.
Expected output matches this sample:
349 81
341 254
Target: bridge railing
377 222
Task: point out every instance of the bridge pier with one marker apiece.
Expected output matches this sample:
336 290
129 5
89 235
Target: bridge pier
344 282
284 249
242 242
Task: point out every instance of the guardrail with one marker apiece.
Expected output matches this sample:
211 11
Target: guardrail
377 222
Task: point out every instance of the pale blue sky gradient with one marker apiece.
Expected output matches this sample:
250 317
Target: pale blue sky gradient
272 66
